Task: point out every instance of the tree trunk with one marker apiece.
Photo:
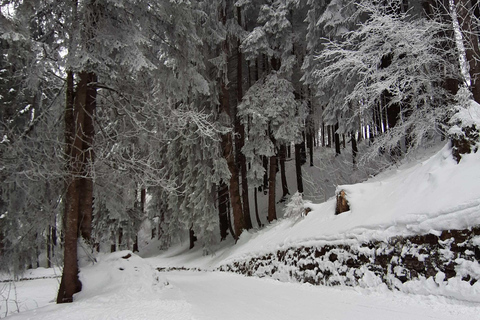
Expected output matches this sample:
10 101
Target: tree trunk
337 140
310 146
272 212
74 116
113 242
240 133
298 168
86 182
228 150
282 154
470 40
354 148
120 238
49 248
256 208
192 238
223 210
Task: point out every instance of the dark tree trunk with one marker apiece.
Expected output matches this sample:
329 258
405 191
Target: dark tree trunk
354 148
228 149
120 238
86 182
49 248
337 140
223 210
298 167
74 116
143 196
240 134
192 238
310 147
234 189
282 154
256 208
113 244
272 212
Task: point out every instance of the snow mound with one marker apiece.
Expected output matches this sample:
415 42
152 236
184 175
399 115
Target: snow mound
116 272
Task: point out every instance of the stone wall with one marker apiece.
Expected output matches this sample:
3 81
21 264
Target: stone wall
451 254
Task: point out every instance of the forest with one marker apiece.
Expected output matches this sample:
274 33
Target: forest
183 113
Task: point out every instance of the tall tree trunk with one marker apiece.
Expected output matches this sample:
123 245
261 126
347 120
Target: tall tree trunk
86 182
74 116
240 133
228 153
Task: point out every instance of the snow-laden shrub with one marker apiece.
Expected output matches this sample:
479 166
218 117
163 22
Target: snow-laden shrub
296 206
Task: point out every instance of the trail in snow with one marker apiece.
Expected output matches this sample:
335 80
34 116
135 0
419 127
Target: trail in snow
187 295
219 296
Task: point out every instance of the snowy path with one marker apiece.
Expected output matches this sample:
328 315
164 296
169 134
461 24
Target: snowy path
229 296
218 296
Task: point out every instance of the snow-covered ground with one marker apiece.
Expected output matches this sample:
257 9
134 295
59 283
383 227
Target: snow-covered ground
118 288
421 197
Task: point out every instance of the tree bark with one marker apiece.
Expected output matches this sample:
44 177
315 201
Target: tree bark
228 148
192 238
283 176
354 148
272 212
86 182
223 210
298 168
240 133
74 118
228 153
337 140
255 196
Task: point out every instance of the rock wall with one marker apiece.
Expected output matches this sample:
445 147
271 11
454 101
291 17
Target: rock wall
435 262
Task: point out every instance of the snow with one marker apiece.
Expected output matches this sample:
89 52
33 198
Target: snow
215 296
427 196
